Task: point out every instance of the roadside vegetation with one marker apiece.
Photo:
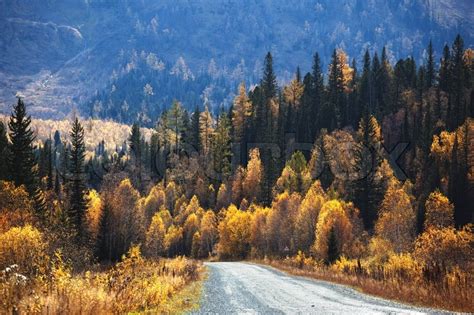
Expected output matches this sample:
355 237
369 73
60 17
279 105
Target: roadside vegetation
44 284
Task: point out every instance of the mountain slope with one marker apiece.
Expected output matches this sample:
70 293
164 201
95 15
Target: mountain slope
62 54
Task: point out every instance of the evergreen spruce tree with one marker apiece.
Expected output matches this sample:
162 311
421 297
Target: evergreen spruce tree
353 114
135 142
154 151
458 83
317 95
385 85
77 181
365 88
421 82
49 165
335 110
102 248
4 171
193 139
269 83
367 192
66 148
22 163
221 150
57 139
135 150
430 71
42 161
427 130
267 125
377 90
185 129
241 115
445 70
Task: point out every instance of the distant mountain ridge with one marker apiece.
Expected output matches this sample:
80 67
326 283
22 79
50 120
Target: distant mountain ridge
68 54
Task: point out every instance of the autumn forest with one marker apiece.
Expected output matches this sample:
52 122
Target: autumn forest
360 174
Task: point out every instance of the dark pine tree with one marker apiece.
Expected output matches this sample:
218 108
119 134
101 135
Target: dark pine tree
103 246
77 181
352 111
267 126
459 82
336 103
365 88
377 89
269 83
22 163
193 138
305 121
366 190
430 71
135 150
49 164
445 70
385 85
317 96
221 150
57 139
4 172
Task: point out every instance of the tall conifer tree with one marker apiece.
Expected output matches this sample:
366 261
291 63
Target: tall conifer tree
22 162
77 181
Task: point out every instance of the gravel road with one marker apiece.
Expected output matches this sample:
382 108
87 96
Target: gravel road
246 288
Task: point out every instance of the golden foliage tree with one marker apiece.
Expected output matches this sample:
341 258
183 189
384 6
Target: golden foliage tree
25 247
241 111
223 197
293 92
166 217
171 194
252 183
196 243
16 208
191 226
155 237
307 217
237 191
93 213
397 219
234 234
174 240
193 207
153 202
126 226
281 223
345 69
341 219
206 130
446 248
258 233
208 234
439 211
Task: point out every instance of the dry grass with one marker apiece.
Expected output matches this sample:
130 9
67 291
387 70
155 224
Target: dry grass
454 297
133 285
186 300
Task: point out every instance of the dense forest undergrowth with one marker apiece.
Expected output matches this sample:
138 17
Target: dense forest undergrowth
365 178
